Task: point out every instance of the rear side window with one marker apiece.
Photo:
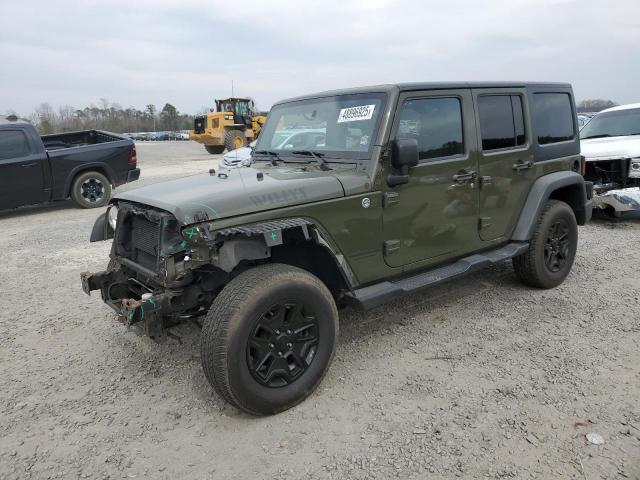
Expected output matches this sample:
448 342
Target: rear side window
436 123
553 117
13 144
501 121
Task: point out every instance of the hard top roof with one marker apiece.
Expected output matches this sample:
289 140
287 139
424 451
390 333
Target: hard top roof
403 87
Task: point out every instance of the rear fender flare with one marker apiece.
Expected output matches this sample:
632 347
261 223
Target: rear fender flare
542 190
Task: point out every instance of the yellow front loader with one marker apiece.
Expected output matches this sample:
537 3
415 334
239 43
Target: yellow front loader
234 124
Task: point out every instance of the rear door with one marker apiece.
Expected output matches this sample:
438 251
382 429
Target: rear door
506 158
21 170
434 217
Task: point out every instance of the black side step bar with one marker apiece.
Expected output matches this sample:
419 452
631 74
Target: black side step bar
379 293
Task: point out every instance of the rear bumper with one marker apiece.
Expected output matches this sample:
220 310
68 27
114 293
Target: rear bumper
133 175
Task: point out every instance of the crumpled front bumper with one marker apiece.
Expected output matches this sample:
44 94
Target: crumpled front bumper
147 311
621 200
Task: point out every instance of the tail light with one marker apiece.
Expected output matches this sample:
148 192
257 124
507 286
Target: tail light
133 159
583 165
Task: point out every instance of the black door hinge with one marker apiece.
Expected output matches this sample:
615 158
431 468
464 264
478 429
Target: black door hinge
391 246
390 198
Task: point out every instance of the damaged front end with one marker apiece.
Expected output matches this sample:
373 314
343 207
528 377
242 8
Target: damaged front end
616 184
153 277
162 273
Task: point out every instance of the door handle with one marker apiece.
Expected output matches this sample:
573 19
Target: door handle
27 165
522 166
465 176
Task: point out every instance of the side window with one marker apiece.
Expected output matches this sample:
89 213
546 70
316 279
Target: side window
13 144
436 123
501 121
553 117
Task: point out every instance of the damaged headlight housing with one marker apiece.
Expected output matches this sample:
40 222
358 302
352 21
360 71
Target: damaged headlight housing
112 216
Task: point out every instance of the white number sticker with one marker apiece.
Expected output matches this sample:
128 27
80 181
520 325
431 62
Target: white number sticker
353 114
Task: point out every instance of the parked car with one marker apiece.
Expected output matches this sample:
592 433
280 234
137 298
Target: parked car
82 165
240 157
184 135
610 144
413 185
160 136
583 119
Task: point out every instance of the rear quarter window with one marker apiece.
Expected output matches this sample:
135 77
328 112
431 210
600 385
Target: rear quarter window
553 117
13 144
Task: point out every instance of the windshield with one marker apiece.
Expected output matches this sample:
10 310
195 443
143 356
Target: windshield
613 124
343 126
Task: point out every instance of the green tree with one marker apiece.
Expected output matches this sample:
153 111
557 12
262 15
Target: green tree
169 117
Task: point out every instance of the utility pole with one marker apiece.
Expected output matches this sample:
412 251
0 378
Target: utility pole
231 88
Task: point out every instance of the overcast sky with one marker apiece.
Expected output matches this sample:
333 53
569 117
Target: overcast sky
186 52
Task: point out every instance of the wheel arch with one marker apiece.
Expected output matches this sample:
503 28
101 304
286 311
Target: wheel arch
565 186
297 242
91 167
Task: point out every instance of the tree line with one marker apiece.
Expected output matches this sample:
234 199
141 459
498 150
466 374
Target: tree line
110 117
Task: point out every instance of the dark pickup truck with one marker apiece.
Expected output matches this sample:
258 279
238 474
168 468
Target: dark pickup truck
82 165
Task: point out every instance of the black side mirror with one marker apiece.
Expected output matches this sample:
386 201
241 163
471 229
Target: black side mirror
404 154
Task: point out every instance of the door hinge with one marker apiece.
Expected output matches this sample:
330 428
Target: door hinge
391 198
484 222
391 246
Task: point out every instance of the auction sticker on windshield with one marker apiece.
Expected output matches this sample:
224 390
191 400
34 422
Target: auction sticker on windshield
354 114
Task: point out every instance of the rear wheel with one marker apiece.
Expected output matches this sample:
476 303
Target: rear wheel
269 338
552 249
234 139
214 149
91 190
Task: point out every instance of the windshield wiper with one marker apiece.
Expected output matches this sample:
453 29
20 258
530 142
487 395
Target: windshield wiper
275 158
322 163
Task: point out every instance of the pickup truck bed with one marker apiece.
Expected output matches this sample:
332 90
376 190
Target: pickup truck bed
83 165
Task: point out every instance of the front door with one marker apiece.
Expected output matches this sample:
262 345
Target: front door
21 171
506 159
434 217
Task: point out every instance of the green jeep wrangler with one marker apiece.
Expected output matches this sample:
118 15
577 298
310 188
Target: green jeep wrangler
385 190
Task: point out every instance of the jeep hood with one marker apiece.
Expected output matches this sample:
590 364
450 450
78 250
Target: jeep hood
610 147
227 193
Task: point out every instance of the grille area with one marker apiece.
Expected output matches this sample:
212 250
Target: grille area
145 241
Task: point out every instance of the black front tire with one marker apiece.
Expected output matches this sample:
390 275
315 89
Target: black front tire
234 325
214 149
91 190
552 250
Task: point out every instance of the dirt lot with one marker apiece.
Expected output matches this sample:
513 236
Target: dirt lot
476 378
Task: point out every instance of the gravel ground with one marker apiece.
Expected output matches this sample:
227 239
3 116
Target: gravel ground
477 378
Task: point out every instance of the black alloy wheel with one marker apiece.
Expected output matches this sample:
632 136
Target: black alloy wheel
92 190
557 246
283 344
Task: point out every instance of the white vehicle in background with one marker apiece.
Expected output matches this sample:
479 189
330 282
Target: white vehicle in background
240 157
284 140
610 145
184 135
